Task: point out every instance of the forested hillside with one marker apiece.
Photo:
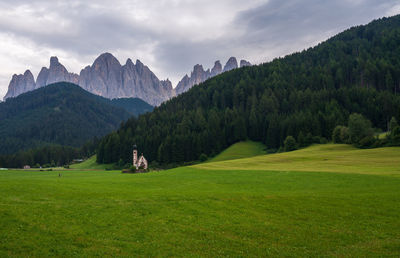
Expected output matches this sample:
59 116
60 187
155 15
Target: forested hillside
135 106
62 113
304 95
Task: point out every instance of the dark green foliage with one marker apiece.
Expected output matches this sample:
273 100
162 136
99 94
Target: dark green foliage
306 95
203 157
50 155
134 106
62 114
336 135
359 128
344 135
289 143
366 142
393 124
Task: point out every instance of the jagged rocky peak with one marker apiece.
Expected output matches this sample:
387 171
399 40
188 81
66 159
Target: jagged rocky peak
106 61
167 84
55 73
217 69
20 83
244 63
231 64
199 75
129 62
108 78
54 61
41 80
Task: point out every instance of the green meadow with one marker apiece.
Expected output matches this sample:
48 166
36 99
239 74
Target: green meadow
325 200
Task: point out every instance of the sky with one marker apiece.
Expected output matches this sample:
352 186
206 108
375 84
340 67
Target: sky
170 37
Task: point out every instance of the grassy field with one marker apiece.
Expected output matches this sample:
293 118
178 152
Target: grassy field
211 209
90 163
240 150
338 158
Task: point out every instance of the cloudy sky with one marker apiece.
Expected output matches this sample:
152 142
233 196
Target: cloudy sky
169 36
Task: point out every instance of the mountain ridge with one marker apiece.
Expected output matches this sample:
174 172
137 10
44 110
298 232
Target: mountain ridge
108 78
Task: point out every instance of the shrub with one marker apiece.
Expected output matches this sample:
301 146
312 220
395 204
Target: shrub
132 169
344 134
359 128
336 134
366 142
290 143
395 136
393 124
203 157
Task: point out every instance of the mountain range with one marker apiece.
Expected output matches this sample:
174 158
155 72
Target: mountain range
106 77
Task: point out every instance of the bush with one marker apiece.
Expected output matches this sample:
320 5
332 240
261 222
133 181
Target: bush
120 163
336 134
203 157
344 135
359 128
154 164
393 124
290 143
395 136
366 142
132 169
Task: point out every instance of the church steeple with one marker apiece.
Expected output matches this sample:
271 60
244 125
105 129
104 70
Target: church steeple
135 155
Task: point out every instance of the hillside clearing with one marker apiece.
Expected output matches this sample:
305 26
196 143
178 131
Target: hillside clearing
241 150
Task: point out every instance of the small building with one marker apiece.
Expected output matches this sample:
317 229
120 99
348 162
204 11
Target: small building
141 162
27 167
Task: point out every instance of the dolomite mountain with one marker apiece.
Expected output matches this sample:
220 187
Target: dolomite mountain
198 74
108 78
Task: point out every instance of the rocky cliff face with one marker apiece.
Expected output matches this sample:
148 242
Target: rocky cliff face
55 73
20 83
105 77
199 75
108 78
217 69
231 64
244 63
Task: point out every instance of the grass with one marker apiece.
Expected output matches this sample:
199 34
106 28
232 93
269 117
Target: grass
241 150
338 158
383 135
91 163
208 210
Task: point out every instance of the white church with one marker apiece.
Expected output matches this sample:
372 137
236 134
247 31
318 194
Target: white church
140 163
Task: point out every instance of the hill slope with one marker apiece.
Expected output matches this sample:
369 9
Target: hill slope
135 106
338 158
304 95
240 150
61 113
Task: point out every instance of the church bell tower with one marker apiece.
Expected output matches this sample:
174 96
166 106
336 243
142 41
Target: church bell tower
134 155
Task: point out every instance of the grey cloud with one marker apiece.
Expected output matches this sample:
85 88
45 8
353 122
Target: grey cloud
290 24
84 29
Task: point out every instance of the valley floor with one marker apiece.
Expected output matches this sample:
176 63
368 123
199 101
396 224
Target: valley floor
269 205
